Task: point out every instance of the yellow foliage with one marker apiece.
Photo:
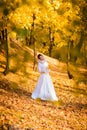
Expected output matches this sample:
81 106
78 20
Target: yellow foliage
12 35
56 15
21 17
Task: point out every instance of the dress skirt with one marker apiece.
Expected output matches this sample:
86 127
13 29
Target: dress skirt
44 88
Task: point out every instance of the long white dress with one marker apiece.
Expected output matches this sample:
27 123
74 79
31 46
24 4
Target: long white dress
44 88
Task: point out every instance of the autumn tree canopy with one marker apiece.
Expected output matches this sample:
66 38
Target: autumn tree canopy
54 27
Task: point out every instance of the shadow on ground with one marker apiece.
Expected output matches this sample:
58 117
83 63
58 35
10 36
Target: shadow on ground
10 127
13 88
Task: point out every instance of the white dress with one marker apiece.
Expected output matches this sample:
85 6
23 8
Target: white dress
44 88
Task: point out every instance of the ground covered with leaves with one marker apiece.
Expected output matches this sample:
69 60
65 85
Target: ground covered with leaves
18 111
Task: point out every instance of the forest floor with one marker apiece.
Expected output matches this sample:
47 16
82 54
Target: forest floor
18 111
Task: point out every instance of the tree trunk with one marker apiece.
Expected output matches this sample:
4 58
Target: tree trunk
51 38
85 53
7 53
31 37
33 41
34 48
68 60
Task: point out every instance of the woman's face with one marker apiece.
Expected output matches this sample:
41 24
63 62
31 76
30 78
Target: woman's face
42 58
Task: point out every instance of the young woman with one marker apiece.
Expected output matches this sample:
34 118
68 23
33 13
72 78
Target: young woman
44 88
